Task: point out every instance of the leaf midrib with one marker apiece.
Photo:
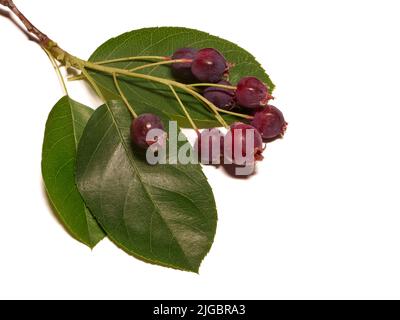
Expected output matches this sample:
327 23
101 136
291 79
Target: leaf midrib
73 121
73 124
133 165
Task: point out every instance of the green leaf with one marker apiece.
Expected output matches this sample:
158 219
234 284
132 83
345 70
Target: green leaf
162 42
64 128
163 214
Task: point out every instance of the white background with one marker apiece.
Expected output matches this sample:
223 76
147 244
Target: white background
321 219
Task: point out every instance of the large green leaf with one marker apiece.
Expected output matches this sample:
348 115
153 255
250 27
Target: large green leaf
64 128
164 214
164 41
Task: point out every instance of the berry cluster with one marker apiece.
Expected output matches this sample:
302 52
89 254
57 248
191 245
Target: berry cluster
209 66
251 95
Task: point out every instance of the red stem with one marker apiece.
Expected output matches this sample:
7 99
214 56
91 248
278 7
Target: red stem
43 39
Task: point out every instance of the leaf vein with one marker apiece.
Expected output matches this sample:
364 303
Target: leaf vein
137 173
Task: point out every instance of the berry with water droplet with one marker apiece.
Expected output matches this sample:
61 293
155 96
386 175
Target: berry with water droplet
209 65
270 122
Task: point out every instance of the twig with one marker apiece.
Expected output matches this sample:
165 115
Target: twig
69 60
43 39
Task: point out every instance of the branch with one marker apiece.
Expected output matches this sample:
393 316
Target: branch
69 60
45 42
42 38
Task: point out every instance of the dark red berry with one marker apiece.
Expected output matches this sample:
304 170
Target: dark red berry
182 70
270 122
209 146
252 93
209 65
220 97
237 141
140 128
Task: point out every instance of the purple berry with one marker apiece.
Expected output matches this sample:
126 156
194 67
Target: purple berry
140 128
270 122
209 65
237 140
252 93
182 70
209 146
220 97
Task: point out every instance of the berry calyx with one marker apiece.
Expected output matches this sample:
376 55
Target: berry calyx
142 125
209 65
270 122
252 93
221 97
209 146
182 70
243 144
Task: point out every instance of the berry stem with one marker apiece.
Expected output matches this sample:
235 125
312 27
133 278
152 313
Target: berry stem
58 71
160 63
76 78
167 82
124 59
128 105
209 104
184 109
216 85
69 60
240 115
93 84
